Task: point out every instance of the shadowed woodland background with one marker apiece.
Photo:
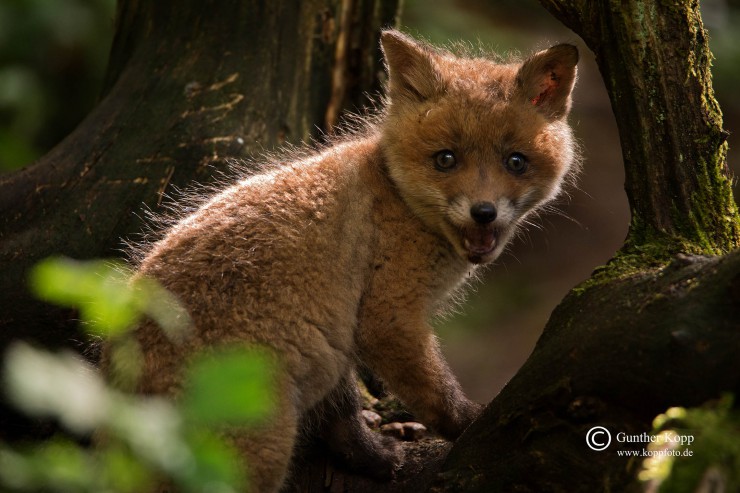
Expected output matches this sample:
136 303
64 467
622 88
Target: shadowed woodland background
52 59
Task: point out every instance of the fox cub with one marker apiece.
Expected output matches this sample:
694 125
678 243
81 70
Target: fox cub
340 257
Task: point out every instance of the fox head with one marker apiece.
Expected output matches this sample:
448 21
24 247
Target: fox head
474 146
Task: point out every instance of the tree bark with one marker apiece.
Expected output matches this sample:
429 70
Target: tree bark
615 355
188 86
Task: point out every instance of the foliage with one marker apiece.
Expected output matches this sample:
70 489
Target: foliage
52 58
713 459
110 300
139 440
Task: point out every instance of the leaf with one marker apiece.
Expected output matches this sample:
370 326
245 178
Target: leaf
229 387
216 465
98 288
62 386
152 428
161 305
16 470
109 299
65 466
122 471
58 465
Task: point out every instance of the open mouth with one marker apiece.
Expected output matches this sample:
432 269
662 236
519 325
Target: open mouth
479 243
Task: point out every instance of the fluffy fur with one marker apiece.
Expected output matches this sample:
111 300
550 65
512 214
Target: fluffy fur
339 256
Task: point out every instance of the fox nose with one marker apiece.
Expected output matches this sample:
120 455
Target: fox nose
483 212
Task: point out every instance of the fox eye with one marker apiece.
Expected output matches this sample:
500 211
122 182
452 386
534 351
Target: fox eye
445 160
516 163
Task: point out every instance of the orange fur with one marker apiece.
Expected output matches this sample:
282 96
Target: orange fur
340 256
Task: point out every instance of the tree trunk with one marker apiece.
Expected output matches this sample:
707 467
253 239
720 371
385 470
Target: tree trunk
188 86
655 61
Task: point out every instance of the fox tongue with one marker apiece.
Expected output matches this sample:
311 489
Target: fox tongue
479 241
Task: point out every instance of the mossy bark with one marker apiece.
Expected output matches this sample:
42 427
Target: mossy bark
615 355
188 86
655 61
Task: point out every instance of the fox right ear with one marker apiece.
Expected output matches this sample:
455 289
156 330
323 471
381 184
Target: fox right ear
411 66
546 79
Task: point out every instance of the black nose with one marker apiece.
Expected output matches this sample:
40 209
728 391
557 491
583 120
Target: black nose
483 212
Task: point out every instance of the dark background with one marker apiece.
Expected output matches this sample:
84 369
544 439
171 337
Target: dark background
52 59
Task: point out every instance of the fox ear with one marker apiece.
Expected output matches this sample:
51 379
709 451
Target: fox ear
411 66
546 80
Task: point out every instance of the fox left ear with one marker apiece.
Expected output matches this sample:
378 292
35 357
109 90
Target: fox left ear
412 67
546 80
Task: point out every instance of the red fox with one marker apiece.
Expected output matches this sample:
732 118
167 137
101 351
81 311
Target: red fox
340 257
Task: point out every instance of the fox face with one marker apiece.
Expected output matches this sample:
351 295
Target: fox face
474 146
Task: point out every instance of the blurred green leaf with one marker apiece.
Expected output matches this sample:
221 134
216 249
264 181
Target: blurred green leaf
230 386
16 471
216 465
66 467
110 301
125 363
161 305
713 457
58 465
98 288
148 437
152 428
123 472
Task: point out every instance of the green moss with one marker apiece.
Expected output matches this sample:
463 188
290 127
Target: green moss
714 214
644 252
713 433
711 225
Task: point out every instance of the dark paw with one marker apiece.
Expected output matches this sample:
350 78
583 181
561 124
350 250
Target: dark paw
382 462
370 454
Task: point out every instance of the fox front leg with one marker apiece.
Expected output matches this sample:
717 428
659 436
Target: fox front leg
338 421
408 359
